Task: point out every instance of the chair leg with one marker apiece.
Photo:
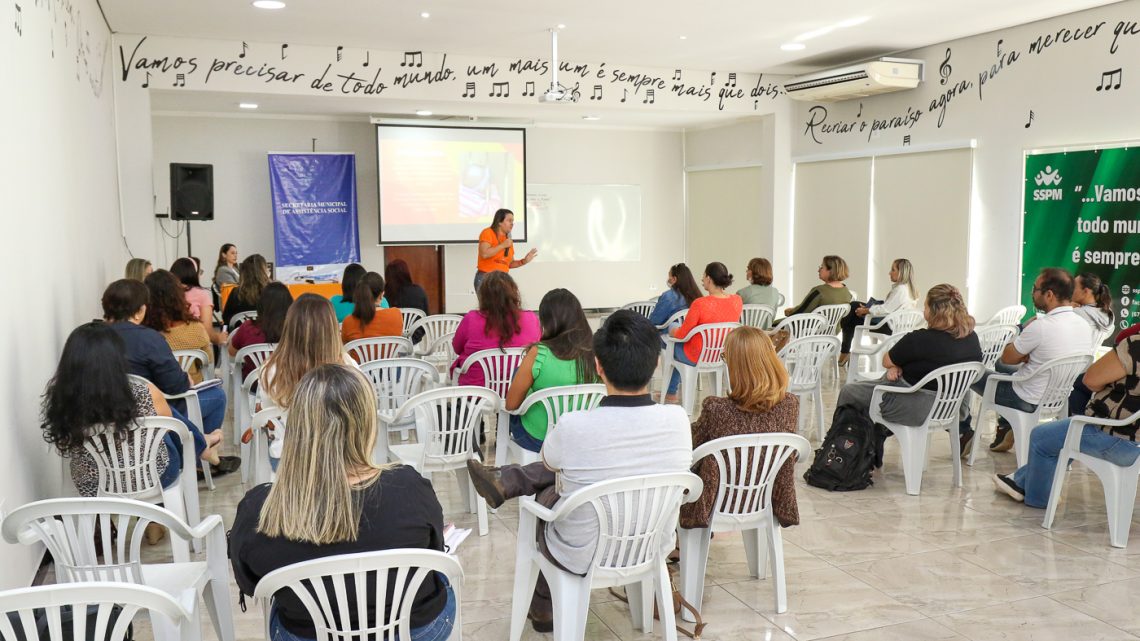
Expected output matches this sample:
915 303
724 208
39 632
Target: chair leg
217 599
502 438
571 599
818 394
694 544
1021 434
978 438
800 415
640 598
526 576
756 552
1059 475
1119 499
688 389
956 453
912 442
665 603
776 551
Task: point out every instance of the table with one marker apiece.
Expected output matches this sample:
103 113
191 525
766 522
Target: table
327 290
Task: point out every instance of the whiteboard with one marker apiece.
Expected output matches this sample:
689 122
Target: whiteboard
570 223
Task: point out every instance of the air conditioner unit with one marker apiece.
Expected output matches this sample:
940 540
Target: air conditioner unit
857 81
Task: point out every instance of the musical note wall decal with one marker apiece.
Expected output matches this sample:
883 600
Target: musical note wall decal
146 83
860 114
1107 77
283 48
528 89
244 47
500 90
339 52
650 97
624 93
677 74
19 22
731 80
1030 119
597 93
469 91
180 80
945 69
712 78
906 140
367 57
413 59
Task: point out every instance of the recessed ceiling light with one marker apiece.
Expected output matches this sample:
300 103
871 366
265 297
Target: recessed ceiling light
425 15
269 4
423 112
561 26
591 117
793 46
684 37
247 105
852 22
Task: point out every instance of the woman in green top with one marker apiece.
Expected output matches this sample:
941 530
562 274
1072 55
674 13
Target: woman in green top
832 271
563 356
760 290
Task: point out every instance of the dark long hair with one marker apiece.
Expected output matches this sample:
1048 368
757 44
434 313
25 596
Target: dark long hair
1101 294
500 216
367 296
90 387
501 306
567 333
397 276
167 301
186 271
222 253
271 310
348 281
685 284
253 276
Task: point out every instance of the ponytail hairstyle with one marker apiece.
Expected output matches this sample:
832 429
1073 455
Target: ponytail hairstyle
684 283
1102 298
366 295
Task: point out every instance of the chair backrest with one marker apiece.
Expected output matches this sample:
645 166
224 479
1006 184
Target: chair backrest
758 316
366 350
833 314
747 465
411 316
994 338
30 613
255 355
187 358
779 300
637 516
395 380
94 539
441 348
905 320
237 319
804 358
128 467
1011 315
643 307
374 579
565 398
951 384
498 366
1059 375
446 421
803 325
435 326
676 320
712 337
1098 340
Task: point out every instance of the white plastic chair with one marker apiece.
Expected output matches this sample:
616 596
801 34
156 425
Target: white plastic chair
674 321
112 607
758 316
556 401
410 316
68 527
833 314
804 358
643 307
194 415
395 380
271 420
256 355
446 421
498 366
994 338
636 519
900 322
872 356
708 360
1059 375
779 300
431 347
237 319
366 350
187 358
321 585
951 384
1011 315
747 465
1119 482
803 325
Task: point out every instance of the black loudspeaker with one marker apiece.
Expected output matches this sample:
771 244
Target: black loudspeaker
191 191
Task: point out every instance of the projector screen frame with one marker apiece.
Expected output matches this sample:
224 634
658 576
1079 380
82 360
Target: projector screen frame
379 196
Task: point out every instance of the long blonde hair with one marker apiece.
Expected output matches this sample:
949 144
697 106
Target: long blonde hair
759 379
332 430
309 339
906 276
136 268
946 311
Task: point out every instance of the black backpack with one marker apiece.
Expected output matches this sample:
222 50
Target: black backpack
852 448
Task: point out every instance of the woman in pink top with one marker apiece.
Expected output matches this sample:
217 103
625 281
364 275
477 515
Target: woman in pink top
718 307
499 322
201 302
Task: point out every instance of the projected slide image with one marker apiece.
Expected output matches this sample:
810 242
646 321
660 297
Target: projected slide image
591 223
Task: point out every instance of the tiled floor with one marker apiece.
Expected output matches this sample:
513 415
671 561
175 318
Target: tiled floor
874 565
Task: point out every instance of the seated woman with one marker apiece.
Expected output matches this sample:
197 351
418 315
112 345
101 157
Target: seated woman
682 292
832 271
200 300
266 328
717 307
225 271
1093 301
1116 394
169 315
759 403
254 277
331 499
342 302
400 292
759 290
564 356
138 269
368 319
948 339
309 339
902 296
499 322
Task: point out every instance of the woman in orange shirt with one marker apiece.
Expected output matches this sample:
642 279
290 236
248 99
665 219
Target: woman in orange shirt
497 249
366 319
718 307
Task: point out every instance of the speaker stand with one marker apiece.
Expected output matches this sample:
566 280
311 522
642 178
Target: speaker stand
189 252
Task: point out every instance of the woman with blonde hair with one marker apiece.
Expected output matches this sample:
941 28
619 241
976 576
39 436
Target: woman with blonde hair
138 269
759 403
948 339
832 271
310 338
330 498
903 295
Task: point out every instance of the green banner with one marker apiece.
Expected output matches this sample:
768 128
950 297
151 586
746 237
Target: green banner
1082 213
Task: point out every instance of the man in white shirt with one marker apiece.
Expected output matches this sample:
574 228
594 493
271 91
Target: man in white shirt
626 435
1055 333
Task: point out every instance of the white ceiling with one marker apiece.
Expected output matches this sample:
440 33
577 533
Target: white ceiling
729 35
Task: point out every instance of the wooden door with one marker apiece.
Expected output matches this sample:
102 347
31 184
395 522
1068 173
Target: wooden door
426 265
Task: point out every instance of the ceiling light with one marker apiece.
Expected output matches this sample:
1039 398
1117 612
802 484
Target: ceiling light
684 37
822 31
561 26
269 4
425 15
853 22
423 112
247 105
591 117
793 46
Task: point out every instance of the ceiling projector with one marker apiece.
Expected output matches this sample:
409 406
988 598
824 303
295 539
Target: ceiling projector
558 95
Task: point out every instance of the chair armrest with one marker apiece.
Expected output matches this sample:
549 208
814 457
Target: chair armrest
208 523
1078 423
992 381
187 394
530 505
867 324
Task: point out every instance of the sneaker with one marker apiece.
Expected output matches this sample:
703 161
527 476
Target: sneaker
965 440
226 465
1005 485
1003 439
488 484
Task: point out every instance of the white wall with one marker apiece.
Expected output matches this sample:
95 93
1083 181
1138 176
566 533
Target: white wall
1057 83
236 146
61 212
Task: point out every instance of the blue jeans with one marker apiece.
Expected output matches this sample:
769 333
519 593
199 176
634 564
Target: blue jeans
680 357
174 468
1045 442
521 437
195 433
1003 395
479 276
212 401
437 630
